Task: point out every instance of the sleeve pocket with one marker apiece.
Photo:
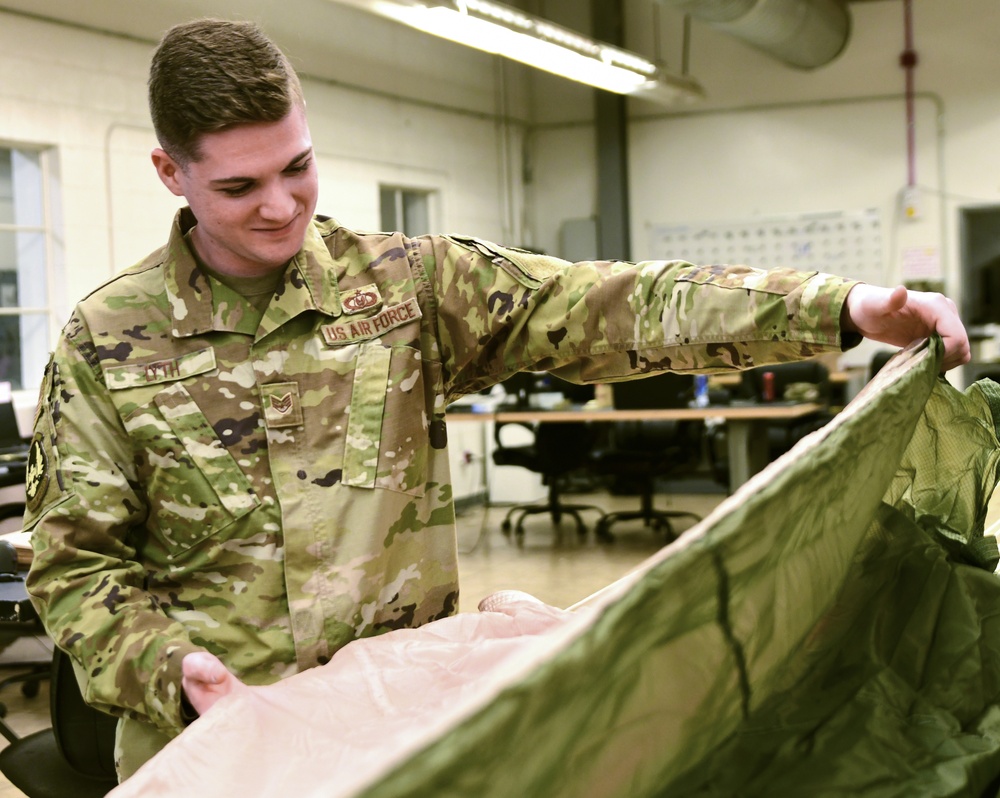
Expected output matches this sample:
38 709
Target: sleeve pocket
527 268
770 281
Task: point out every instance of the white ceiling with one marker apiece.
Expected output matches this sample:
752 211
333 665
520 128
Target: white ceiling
300 26
306 28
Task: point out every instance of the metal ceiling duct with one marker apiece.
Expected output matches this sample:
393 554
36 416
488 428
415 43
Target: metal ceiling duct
802 33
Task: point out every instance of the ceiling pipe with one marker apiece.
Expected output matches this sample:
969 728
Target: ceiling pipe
802 33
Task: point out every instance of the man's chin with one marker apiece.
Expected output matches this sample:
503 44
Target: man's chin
278 257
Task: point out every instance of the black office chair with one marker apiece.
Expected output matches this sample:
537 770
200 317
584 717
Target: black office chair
11 509
518 389
11 442
74 758
17 620
559 450
13 473
878 361
641 452
804 380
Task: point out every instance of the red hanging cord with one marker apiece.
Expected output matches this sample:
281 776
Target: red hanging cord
908 60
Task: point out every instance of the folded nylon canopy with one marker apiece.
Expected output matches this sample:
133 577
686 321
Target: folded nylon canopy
831 629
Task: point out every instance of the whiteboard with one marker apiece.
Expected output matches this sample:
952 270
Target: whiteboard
846 243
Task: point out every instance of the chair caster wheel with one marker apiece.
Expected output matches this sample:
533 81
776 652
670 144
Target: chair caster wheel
29 689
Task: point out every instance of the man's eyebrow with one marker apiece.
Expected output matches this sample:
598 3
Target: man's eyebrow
236 179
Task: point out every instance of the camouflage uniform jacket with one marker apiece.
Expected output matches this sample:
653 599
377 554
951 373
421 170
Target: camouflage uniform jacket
271 488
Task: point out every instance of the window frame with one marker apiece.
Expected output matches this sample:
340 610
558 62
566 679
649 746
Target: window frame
428 194
34 354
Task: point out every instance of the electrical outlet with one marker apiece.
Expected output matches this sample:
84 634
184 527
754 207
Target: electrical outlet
910 199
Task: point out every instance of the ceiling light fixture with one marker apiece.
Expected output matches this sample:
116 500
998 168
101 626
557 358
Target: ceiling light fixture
511 33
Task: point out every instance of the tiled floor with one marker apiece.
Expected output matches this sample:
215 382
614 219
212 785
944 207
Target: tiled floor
555 565
552 564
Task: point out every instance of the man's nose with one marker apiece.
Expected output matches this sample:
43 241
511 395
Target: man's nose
277 203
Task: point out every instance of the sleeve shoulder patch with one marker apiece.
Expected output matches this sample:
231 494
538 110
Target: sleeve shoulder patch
36 474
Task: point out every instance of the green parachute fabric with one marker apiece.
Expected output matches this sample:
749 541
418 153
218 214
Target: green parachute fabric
832 629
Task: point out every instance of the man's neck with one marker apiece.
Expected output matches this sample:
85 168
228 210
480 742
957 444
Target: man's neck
250 286
239 270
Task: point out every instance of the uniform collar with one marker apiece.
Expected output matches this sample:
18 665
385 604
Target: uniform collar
310 284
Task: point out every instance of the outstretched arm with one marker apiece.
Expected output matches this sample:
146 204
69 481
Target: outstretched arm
898 316
206 680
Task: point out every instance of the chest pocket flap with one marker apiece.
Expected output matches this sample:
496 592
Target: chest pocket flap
194 485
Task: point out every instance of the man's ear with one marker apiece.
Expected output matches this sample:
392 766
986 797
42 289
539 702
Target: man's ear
169 171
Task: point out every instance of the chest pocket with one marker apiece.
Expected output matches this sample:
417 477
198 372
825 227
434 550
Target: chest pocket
194 485
387 440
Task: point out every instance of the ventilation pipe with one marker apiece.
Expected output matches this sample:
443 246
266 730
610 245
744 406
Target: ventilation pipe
801 33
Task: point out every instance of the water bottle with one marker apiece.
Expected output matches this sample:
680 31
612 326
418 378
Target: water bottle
701 390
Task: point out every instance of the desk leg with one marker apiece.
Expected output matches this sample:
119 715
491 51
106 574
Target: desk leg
747 443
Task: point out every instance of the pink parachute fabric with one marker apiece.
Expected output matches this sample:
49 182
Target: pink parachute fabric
326 731
833 628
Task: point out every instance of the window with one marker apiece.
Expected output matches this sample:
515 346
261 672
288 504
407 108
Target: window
405 210
25 262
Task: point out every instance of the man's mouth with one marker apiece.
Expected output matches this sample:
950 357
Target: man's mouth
277 230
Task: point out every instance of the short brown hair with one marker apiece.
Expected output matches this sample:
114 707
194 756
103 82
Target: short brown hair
211 74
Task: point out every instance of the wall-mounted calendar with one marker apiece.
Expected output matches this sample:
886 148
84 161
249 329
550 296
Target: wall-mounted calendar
847 243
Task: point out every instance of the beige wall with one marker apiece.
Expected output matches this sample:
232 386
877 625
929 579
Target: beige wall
772 140
81 94
769 140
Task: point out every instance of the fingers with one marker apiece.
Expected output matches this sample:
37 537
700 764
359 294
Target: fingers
942 318
203 667
899 316
868 308
896 300
205 680
957 350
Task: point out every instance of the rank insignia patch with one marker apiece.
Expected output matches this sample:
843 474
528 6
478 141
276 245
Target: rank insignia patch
282 407
37 473
281 404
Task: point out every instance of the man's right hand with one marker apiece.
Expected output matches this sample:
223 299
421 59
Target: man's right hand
897 316
206 680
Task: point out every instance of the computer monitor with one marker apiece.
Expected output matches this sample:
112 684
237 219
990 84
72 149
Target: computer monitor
523 385
987 299
10 434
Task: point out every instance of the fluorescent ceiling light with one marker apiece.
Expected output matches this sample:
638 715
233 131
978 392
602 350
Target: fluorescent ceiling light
508 32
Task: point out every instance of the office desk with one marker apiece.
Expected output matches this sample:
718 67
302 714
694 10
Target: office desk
839 377
746 425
